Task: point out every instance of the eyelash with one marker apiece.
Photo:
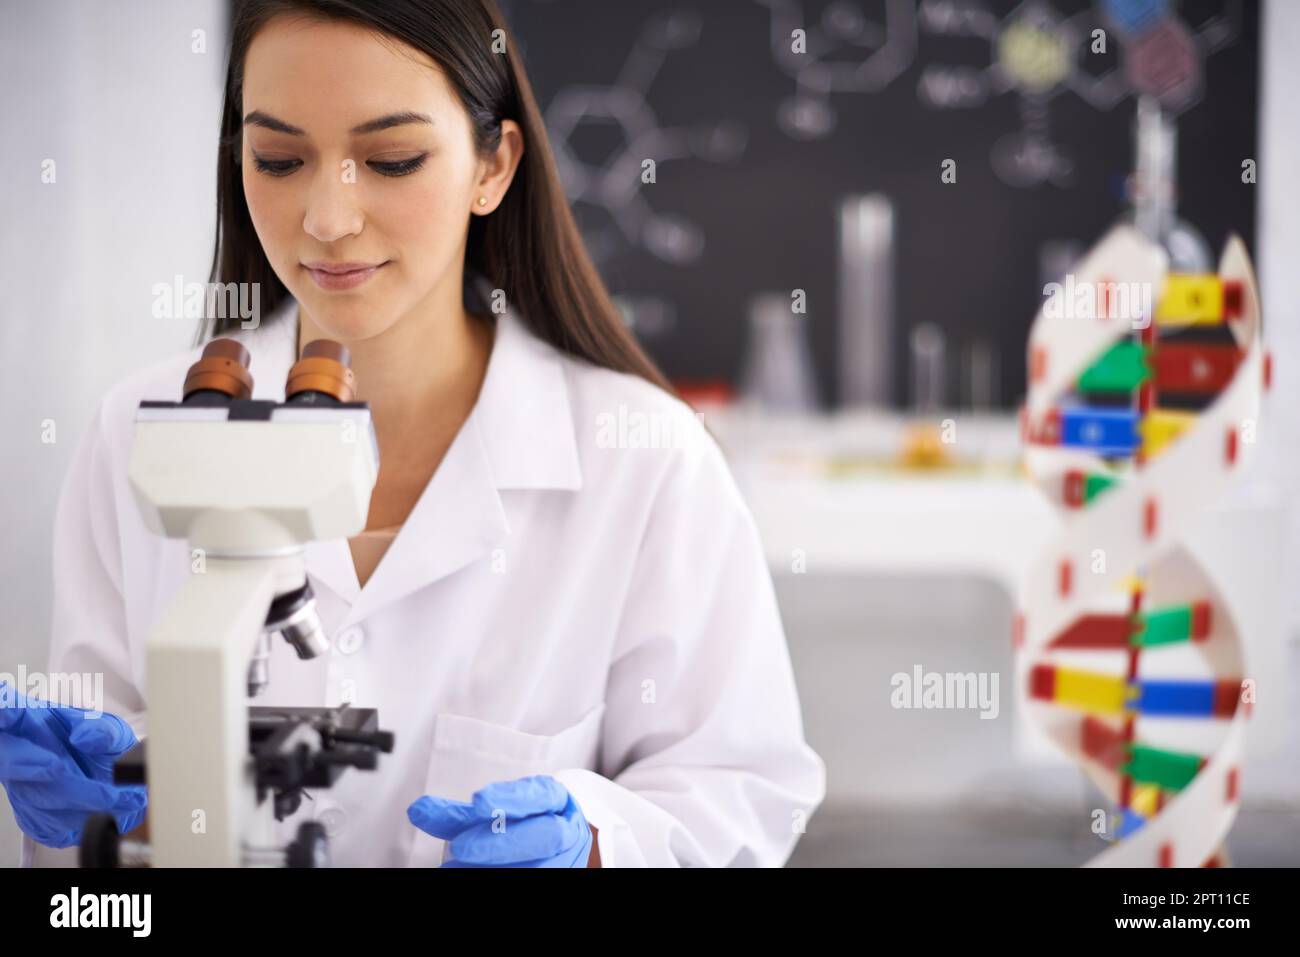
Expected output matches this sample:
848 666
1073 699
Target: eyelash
285 167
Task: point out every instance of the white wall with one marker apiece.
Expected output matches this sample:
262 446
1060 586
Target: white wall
1279 267
114 94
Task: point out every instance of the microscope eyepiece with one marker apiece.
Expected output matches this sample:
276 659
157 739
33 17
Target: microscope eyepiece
323 372
222 370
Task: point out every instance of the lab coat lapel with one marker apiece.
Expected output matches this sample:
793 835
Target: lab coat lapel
330 563
457 519
520 435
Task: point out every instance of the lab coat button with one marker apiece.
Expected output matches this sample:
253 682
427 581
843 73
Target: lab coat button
350 641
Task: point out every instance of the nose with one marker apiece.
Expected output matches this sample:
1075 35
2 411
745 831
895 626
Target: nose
333 206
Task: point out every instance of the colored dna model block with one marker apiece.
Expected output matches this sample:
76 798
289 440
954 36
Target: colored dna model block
1136 420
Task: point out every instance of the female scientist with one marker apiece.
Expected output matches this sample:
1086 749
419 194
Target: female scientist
557 624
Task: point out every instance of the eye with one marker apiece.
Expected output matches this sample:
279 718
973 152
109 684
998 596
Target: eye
275 167
400 168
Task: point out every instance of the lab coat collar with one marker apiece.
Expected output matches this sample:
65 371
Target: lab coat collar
519 435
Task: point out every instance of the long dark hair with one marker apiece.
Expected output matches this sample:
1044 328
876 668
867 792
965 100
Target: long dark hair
529 246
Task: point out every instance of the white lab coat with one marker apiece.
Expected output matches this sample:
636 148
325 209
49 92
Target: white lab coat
552 605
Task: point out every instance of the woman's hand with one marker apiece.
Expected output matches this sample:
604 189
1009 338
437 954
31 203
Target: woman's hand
531 822
56 764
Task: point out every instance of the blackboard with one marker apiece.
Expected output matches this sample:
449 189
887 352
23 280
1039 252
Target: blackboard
968 253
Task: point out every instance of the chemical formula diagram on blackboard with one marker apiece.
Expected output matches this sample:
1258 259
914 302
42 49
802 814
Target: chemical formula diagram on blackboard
847 51
614 186
1106 53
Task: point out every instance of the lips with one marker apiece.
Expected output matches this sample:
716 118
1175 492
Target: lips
340 267
341 275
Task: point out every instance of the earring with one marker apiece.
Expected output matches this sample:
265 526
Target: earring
482 201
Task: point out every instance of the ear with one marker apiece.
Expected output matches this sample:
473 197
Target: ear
498 170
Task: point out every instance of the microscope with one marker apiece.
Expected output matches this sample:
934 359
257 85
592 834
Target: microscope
248 483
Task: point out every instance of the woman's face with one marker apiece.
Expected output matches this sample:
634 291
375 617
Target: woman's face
356 151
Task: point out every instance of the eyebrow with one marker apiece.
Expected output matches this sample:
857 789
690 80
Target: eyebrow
265 120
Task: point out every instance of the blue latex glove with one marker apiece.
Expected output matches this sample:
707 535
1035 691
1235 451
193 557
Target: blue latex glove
56 764
531 822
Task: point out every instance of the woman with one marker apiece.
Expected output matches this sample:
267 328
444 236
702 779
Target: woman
559 625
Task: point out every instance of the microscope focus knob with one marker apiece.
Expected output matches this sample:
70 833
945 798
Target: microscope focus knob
223 368
325 368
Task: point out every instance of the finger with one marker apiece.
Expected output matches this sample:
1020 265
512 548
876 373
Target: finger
33 720
533 838
67 793
45 827
21 760
129 815
441 817
104 736
539 794
131 797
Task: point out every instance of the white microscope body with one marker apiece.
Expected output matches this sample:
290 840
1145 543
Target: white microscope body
248 483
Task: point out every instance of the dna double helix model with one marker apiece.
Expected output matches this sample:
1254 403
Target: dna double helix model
1138 415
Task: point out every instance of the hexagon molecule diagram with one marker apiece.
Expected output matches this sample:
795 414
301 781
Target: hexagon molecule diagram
847 51
1038 53
612 189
